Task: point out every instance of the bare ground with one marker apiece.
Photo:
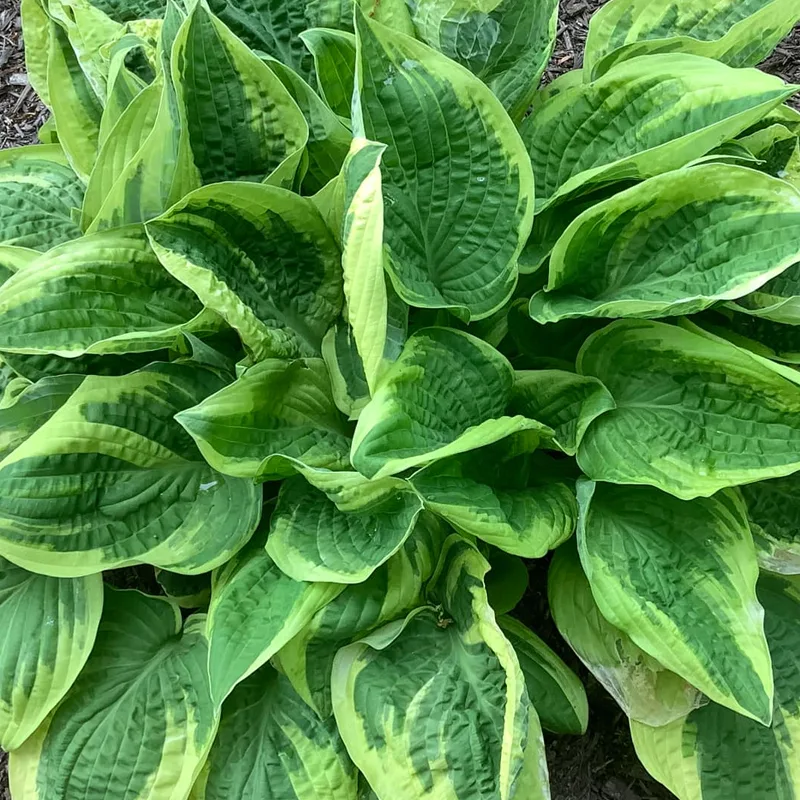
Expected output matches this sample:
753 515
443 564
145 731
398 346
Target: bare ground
602 764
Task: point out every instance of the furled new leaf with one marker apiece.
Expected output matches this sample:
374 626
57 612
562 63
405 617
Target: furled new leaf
654 250
564 401
112 480
679 578
713 753
261 257
457 182
446 394
49 627
694 413
644 117
644 689
138 722
271 744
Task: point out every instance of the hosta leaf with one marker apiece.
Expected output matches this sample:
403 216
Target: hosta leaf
139 721
162 170
458 202
346 370
49 626
313 540
713 753
278 410
100 294
739 33
554 689
241 122
112 480
271 744
644 117
506 43
499 502
26 410
34 368
694 414
36 24
390 591
446 394
679 578
436 703
645 690
76 107
774 513
777 300
564 401
335 64
328 137
362 258
255 610
130 10
274 27
259 256
38 192
330 14
654 250
124 141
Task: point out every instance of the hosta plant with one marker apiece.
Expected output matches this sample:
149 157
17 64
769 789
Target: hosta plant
330 317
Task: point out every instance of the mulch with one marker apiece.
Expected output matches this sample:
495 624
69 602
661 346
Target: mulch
602 764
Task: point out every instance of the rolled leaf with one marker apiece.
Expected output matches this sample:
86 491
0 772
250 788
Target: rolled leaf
436 703
458 193
101 294
255 610
241 122
741 34
38 192
554 689
261 257
644 117
312 540
49 627
139 719
111 480
276 411
654 250
679 578
446 394
564 401
644 689
270 743
335 65
713 752
694 414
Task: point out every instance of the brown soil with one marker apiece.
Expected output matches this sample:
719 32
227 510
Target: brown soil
602 764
